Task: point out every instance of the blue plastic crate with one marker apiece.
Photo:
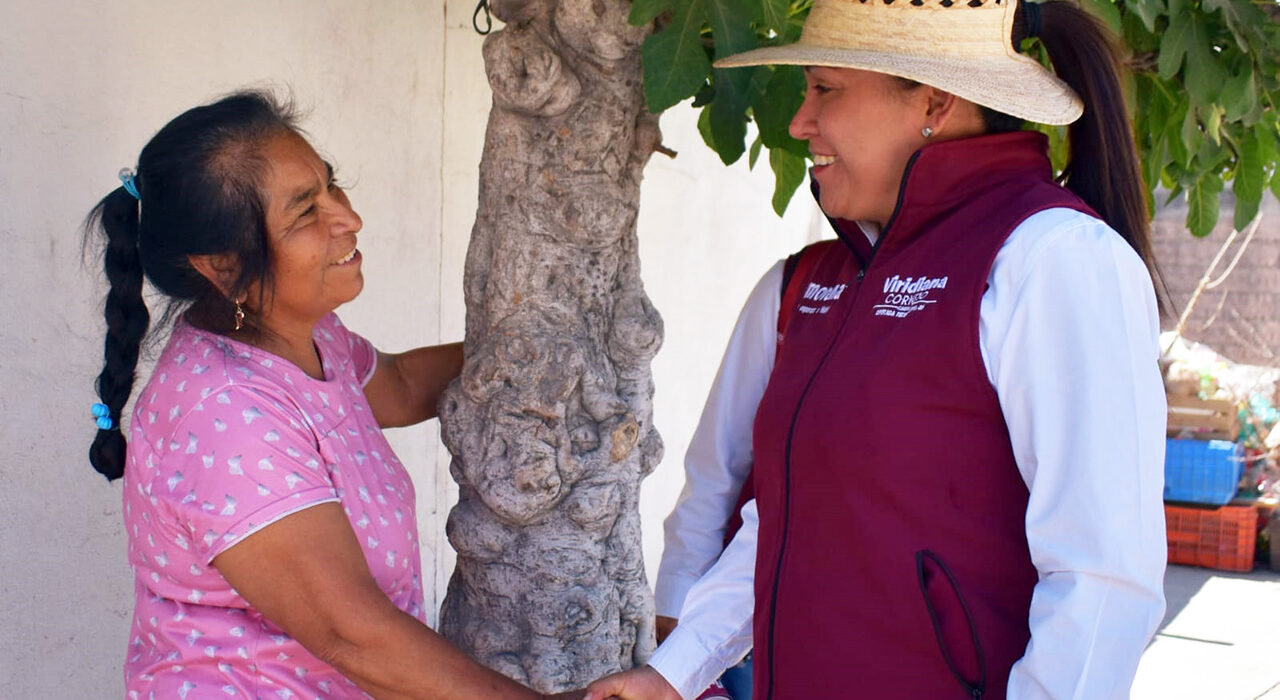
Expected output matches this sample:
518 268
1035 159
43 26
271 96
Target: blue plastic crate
1202 471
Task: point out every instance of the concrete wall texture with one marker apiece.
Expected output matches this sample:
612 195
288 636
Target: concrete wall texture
395 94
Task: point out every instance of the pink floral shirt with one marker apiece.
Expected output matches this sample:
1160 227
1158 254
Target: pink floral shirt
224 440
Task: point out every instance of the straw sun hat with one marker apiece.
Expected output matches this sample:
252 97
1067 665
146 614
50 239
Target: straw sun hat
960 46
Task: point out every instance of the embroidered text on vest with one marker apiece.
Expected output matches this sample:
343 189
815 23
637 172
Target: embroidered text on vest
903 296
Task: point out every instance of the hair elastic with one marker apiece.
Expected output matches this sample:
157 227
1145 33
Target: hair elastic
102 415
129 181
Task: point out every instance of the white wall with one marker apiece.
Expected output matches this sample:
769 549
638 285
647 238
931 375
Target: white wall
707 233
396 95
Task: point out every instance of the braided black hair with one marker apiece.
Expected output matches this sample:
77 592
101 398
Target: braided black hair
127 321
200 185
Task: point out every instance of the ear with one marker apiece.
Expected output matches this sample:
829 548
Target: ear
939 107
221 270
954 116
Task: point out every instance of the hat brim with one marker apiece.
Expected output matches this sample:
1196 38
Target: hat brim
1016 85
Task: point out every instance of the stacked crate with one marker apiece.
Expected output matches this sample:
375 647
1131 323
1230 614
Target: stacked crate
1203 466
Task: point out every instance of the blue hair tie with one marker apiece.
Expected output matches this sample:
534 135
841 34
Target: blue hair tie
129 181
102 414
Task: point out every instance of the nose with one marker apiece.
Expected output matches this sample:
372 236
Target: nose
803 126
345 218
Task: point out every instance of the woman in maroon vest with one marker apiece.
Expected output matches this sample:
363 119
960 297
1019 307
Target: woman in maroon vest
958 458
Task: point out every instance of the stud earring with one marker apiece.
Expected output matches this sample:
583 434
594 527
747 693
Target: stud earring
926 132
239 316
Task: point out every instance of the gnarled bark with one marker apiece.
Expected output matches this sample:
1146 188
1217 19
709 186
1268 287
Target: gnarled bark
550 425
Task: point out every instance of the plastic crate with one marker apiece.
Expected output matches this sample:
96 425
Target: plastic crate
1202 471
1218 538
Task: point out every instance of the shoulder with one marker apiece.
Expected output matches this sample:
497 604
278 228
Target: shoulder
331 329
351 350
764 299
1065 243
202 373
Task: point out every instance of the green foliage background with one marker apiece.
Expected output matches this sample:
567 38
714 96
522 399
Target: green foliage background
1203 84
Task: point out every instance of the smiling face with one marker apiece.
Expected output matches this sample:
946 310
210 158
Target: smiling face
311 230
862 128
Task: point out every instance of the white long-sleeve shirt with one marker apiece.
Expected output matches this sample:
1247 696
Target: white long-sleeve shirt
1069 331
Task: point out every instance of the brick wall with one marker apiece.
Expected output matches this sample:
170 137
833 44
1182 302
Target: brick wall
1240 318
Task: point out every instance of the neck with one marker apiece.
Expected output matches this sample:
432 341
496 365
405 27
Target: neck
290 341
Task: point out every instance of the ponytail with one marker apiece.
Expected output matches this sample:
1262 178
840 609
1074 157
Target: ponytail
1102 168
116 217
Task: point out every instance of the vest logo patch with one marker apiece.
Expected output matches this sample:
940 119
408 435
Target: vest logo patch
903 297
820 296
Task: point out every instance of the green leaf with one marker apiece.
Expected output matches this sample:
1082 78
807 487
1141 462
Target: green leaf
675 64
1275 183
1106 11
1240 94
1173 45
1250 179
1213 157
788 173
795 23
644 11
1191 136
705 95
775 15
1213 123
1204 73
1244 19
728 121
1270 149
731 29
730 22
754 154
1154 105
704 128
776 104
1059 148
1202 204
1147 11
1151 166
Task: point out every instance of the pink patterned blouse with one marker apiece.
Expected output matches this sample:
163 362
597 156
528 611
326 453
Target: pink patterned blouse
226 439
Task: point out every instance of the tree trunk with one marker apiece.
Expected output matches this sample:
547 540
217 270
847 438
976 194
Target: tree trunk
550 425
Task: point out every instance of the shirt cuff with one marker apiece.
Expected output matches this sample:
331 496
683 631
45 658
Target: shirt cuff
688 665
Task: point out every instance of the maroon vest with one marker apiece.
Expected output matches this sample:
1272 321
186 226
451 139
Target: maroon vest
892 557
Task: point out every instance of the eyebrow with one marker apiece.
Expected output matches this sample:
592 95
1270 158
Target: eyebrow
310 192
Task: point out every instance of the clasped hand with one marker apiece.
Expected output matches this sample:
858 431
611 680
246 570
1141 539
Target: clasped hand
637 684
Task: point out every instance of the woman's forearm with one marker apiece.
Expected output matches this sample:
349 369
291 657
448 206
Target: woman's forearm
307 574
427 373
392 656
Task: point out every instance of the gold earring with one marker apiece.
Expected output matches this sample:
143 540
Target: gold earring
239 316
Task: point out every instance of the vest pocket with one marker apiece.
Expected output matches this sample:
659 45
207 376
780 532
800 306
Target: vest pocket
953 623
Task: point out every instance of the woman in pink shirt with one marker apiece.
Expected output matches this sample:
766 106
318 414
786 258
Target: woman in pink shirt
271 528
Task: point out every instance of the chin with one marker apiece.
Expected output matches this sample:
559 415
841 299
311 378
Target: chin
835 210
359 287
350 295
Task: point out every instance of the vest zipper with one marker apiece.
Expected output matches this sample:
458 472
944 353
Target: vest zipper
795 417
786 479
